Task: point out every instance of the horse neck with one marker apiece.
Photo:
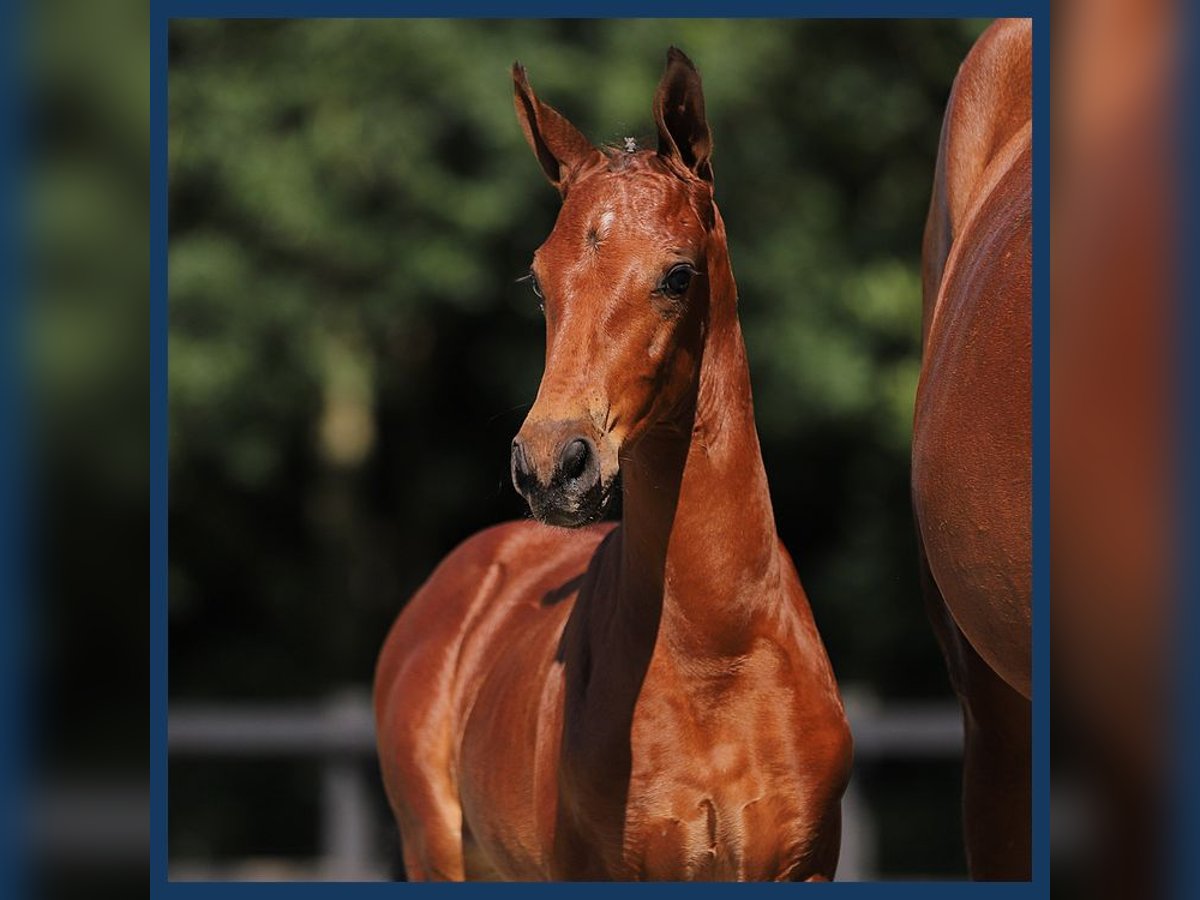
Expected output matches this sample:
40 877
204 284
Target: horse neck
699 540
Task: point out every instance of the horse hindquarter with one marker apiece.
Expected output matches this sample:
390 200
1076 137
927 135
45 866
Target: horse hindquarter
971 432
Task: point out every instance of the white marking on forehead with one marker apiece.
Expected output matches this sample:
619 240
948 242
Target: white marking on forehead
630 145
600 228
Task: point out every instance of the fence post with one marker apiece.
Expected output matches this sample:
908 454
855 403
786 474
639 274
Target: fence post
857 860
348 828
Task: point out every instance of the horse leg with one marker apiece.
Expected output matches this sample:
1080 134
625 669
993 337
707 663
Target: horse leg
819 863
997 766
996 778
431 839
415 754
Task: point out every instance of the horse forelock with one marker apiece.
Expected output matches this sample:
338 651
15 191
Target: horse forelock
618 160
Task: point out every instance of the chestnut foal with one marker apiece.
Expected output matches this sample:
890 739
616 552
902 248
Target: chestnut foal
649 700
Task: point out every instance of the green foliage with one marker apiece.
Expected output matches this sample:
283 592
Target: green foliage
84 354
350 357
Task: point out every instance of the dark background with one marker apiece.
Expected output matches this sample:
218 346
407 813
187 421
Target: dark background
350 202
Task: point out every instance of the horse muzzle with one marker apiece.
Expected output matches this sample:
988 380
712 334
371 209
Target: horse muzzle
559 473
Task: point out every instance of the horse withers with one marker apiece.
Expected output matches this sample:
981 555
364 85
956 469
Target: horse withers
645 700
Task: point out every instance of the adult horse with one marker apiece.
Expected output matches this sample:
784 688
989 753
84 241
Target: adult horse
645 701
1114 408
971 462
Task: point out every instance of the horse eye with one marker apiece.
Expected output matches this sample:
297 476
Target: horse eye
678 280
533 283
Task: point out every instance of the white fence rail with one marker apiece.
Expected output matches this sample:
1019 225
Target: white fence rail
339 734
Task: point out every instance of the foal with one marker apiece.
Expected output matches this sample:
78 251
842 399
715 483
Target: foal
649 700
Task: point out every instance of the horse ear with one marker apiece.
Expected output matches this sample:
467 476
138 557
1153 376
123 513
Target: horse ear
558 145
683 132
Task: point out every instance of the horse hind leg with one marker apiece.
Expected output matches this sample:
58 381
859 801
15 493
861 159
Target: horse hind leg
996 782
997 765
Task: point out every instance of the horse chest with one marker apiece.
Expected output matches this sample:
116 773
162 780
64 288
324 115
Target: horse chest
722 809
715 834
712 787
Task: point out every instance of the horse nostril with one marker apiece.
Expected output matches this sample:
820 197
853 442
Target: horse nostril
520 465
574 459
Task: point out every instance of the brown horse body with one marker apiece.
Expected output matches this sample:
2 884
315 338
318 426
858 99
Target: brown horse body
1114 535
645 701
971 459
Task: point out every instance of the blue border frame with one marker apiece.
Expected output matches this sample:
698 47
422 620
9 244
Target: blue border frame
15 611
1183 824
158 447
162 11
1041 450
